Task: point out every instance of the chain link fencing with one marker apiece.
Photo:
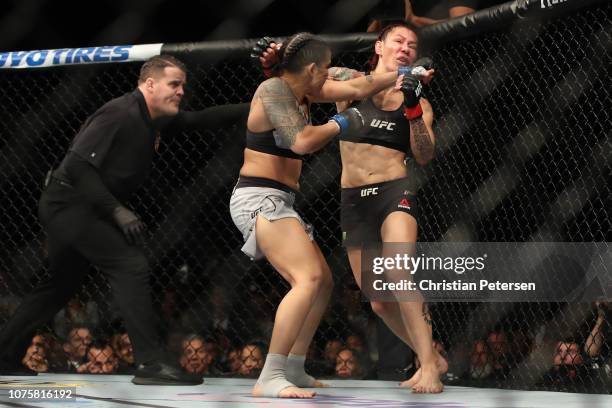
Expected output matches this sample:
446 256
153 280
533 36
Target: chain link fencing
523 154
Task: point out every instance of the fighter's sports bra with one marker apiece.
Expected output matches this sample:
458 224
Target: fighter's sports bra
383 128
264 142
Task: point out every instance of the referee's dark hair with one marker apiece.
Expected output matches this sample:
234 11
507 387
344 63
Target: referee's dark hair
155 65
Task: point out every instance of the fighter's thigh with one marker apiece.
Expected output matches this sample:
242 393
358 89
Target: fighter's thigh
287 247
399 226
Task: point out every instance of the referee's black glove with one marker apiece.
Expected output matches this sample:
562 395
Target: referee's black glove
130 225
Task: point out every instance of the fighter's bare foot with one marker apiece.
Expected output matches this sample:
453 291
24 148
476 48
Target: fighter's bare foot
409 383
441 365
289 392
429 382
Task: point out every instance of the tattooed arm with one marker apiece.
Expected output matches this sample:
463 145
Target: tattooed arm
290 128
343 74
422 138
355 88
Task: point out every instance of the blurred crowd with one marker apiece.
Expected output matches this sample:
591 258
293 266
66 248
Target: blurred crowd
221 336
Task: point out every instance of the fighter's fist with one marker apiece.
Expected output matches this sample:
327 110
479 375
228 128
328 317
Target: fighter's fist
264 54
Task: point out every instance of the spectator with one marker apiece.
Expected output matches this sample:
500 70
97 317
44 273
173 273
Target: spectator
76 313
213 349
195 359
567 352
355 341
567 362
480 360
458 8
36 355
330 352
351 364
77 342
252 360
488 357
122 347
234 360
595 345
421 13
101 359
56 357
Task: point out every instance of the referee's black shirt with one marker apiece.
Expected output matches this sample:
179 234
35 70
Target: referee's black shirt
119 140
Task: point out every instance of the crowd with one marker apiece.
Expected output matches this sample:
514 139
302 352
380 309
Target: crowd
558 351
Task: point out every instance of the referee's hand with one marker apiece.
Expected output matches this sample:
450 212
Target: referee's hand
130 225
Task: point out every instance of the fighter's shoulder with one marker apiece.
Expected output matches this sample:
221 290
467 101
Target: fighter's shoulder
274 87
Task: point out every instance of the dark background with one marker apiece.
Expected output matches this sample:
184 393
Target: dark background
46 24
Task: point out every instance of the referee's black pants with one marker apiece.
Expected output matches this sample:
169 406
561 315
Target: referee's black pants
77 238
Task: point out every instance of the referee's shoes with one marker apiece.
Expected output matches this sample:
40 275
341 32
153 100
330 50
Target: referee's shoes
163 372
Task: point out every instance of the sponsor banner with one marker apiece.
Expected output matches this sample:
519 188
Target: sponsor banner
72 56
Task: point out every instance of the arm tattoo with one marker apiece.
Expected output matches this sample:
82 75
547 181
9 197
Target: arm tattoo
341 74
422 140
282 110
369 78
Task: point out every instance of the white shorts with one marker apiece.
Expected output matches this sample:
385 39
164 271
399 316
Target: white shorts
272 204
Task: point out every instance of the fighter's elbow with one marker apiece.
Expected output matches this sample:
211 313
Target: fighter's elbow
301 148
424 159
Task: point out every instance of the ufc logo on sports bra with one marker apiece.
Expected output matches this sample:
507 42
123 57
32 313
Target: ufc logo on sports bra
369 191
377 123
550 3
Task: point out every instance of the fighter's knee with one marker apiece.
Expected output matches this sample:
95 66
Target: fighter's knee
311 277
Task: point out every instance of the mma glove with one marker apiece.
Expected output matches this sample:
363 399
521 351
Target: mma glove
348 121
271 64
130 225
412 87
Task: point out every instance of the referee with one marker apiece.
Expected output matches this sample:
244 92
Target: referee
82 211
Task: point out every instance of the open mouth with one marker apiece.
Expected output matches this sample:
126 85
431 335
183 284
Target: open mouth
403 60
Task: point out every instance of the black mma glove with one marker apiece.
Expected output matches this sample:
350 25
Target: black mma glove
348 121
271 65
130 225
412 86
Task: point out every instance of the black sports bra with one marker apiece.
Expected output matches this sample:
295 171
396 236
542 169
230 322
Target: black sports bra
383 128
264 142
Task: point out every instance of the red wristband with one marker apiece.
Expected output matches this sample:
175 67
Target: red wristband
414 112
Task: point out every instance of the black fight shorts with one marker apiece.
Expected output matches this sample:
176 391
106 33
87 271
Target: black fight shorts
364 209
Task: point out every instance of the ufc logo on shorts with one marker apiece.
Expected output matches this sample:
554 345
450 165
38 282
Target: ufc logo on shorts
377 123
369 191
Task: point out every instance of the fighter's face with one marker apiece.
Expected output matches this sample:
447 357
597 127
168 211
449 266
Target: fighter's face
398 48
